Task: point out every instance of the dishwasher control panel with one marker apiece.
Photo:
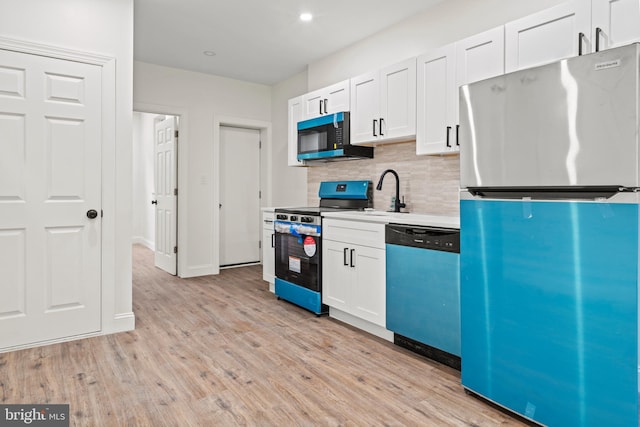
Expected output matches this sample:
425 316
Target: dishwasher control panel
436 238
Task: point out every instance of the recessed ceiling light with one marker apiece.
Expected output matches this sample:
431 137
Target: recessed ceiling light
209 53
306 17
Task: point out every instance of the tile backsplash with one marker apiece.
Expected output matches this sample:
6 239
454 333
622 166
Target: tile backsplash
429 184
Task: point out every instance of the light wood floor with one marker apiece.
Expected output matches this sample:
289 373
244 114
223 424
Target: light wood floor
221 350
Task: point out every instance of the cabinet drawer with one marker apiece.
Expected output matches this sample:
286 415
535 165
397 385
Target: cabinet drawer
267 220
354 232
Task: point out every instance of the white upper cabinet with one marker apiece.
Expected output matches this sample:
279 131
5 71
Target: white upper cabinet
547 36
569 29
294 116
328 100
383 104
614 23
440 75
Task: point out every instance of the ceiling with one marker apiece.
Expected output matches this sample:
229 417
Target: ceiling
261 41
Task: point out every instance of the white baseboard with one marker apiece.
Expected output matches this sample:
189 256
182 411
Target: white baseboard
139 240
359 323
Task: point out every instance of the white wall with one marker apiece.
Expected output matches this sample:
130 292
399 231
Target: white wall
444 23
143 179
289 183
198 99
102 27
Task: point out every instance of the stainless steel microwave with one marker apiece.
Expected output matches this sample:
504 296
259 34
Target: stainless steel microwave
327 138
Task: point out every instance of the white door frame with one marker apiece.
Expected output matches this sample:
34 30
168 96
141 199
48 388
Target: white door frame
265 178
183 140
109 319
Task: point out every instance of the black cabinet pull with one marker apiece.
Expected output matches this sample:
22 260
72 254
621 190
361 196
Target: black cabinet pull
351 256
374 127
154 202
321 106
448 131
458 135
598 32
273 240
381 122
344 256
326 101
580 37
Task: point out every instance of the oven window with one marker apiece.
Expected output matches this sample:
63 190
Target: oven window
312 141
298 260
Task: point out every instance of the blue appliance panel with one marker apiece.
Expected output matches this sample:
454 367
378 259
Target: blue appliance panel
344 190
549 309
299 295
423 301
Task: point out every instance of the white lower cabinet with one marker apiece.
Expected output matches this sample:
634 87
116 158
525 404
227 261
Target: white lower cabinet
268 249
353 273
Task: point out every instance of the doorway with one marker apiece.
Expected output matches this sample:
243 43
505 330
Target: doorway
240 230
155 186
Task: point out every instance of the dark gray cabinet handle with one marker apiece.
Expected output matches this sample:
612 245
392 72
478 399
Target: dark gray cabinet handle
321 106
375 122
154 202
344 256
381 122
326 101
580 37
351 256
92 214
448 131
458 135
273 240
598 33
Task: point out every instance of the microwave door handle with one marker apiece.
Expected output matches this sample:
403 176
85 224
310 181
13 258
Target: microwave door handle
375 122
326 101
321 107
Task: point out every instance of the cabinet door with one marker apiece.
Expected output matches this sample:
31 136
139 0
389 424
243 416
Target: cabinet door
365 108
268 251
336 275
615 23
311 106
435 104
398 100
336 98
548 36
295 115
369 294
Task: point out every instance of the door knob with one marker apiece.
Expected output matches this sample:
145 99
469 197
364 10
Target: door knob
92 214
154 202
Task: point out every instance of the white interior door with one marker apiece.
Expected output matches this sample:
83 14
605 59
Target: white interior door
240 221
166 197
50 198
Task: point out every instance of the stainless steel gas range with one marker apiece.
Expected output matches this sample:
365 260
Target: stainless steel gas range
298 245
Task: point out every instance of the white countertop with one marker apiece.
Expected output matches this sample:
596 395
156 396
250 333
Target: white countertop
383 217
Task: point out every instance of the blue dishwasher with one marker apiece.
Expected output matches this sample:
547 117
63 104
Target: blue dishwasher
423 290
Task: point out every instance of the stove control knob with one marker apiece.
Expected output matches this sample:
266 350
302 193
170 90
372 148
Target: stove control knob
280 216
293 218
306 219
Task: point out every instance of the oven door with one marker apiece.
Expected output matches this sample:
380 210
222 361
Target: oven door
298 249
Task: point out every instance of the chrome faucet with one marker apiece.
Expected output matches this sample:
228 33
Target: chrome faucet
397 204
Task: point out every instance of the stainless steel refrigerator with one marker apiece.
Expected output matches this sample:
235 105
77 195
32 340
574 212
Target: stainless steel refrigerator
549 174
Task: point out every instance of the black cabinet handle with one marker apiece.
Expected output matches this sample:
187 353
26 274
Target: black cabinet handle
351 256
374 127
273 240
448 131
598 32
321 106
381 122
344 256
580 37
326 101
458 135
154 202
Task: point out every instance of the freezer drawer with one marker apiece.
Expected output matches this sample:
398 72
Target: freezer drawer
549 309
